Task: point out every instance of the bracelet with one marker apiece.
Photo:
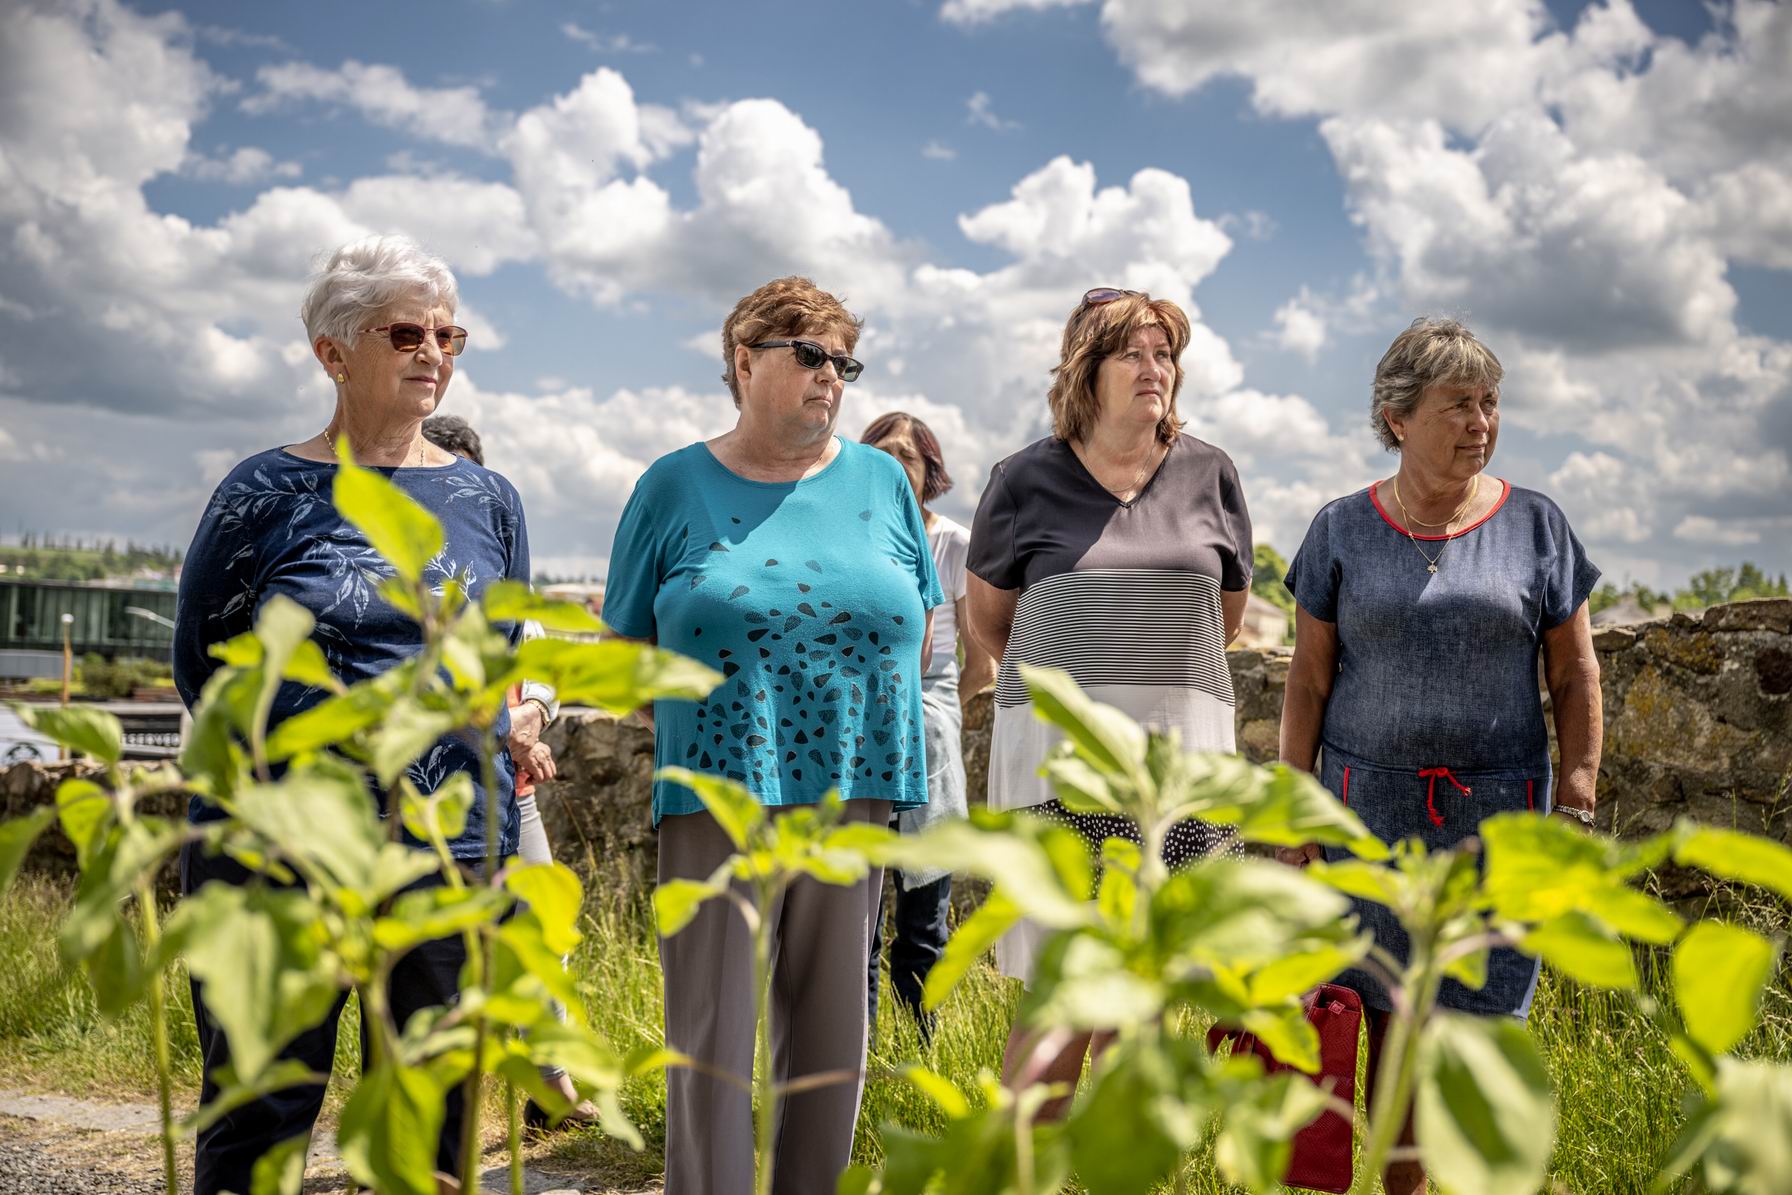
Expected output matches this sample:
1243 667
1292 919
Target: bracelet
1583 816
547 715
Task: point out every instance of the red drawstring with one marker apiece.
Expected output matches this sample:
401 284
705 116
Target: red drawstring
1346 792
1530 803
1431 774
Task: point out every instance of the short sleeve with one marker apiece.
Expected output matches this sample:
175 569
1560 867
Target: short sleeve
219 594
950 562
991 555
1313 573
927 578
637 562
517 534
1571 576
1236 568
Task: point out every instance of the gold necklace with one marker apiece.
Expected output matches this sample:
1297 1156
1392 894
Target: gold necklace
1432 561
1138 478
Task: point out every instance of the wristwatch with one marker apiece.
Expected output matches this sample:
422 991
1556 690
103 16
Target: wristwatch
1583 816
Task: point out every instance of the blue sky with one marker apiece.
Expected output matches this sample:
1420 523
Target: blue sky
1604 192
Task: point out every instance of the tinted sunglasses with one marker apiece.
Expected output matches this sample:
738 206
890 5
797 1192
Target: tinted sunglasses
810 355
408 338
1106 294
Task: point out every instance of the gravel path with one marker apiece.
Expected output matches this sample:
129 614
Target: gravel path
58 1145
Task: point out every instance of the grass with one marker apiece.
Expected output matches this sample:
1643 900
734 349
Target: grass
1618 1085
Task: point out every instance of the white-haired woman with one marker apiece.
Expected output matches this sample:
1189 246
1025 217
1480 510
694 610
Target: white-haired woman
1424 602
380 317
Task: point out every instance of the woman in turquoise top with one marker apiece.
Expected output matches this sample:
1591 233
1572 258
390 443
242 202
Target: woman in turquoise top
797 564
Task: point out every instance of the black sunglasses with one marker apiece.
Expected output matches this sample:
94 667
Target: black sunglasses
810 355
408 338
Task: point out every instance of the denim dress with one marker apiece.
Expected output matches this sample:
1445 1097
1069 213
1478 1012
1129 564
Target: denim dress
1435 719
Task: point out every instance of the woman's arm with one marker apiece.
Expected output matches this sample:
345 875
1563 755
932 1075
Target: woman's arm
1571 670
927 644
1311 674
991 612
979 666
1232 604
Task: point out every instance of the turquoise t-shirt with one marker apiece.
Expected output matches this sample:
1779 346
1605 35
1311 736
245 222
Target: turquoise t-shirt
810 597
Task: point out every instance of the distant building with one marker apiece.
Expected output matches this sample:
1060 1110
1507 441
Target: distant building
1627 610
110 620
1265 624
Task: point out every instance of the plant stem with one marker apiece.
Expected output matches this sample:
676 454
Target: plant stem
158 1029
514 1111
478 965
764 1096
1399 1064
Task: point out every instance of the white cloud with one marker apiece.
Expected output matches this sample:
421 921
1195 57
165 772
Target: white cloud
381 94
616 43
246 166
974 12
1300 328
980 111
1706 530
1576 193
1256 225
938 151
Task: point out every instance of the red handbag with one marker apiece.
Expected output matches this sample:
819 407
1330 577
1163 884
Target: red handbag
1322 1150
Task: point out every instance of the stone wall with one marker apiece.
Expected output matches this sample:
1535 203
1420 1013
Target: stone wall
1698 722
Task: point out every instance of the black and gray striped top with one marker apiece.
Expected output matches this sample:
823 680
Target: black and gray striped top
1125 596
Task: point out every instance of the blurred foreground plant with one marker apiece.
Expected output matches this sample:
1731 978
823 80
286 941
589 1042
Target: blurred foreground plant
338 908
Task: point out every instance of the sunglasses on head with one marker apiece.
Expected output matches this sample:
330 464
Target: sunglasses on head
810 355
408 338
1105 294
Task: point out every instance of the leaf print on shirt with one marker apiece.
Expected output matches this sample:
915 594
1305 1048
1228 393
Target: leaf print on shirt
357 569
483 487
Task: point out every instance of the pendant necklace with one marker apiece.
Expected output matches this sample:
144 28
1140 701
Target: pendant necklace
1431 562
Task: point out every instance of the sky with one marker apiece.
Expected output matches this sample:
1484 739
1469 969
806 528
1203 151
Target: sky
1602 191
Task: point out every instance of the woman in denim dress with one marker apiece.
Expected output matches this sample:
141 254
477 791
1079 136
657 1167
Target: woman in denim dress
1424 601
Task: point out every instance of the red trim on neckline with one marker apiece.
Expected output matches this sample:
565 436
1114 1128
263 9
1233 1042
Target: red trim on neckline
1505 492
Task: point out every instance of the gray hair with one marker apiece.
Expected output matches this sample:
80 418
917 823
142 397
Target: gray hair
1430 351
365 277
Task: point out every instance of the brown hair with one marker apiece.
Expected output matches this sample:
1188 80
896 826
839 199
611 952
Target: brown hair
790 306
1097 332
935 481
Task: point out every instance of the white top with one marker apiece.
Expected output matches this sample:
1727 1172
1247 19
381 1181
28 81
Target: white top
951 543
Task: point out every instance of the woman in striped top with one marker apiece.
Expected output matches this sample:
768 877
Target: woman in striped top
1119 550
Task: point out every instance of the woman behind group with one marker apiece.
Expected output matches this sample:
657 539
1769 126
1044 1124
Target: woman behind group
1119 550
924 895
379 316
795 562
1423 603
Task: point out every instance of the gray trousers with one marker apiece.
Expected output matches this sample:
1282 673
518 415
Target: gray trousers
821 936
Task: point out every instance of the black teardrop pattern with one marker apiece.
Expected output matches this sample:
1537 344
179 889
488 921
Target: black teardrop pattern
734 731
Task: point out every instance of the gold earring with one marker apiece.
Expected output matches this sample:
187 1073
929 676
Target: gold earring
342 377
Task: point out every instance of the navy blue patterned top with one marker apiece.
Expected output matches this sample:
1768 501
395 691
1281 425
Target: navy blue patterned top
270 529
1435 720
1441 666
810 597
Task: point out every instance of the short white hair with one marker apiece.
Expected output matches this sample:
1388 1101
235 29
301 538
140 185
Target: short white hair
365 277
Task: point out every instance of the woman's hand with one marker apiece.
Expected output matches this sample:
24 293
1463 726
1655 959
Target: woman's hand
525 732
1300 856
538 761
